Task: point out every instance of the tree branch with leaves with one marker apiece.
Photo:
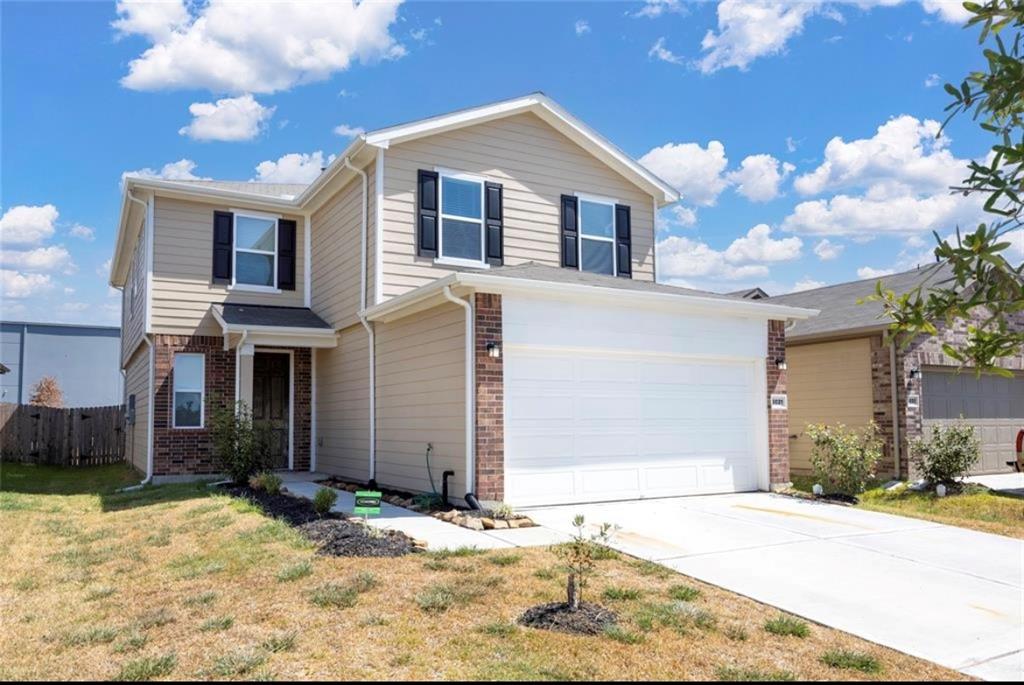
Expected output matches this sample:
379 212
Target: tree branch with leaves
979 277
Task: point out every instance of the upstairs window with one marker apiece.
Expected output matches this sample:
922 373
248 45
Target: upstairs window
597 235
189 390
461 238
255 250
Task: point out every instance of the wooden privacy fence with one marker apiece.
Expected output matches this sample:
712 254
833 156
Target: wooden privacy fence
79 436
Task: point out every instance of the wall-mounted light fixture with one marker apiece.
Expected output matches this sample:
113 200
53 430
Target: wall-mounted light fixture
915 372
494 350
780 364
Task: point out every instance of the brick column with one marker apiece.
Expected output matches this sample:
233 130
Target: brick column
778 419
303 407
490 401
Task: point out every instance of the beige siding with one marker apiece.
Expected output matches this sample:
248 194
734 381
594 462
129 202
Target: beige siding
421 399
335 252
535 164
133 300
136 383
343 406
182 271
829 382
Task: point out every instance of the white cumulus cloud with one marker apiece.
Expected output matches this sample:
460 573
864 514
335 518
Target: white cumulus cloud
19 285
759 246
693 170
27 224
827 250
172 171
656 8
228 119
42 259
295 167
806 284
660 52
759 177
866 272
582 27
234 47
82 233
346 131
685 259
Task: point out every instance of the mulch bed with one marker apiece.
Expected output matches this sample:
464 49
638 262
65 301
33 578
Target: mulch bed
589 619
334 535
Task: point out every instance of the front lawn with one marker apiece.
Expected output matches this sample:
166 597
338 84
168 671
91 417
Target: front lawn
178 582
976 507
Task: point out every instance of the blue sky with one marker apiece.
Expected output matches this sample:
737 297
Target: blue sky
734 102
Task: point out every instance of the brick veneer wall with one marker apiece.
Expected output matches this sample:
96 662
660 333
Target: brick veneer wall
188 451
490 401
778 419
881 399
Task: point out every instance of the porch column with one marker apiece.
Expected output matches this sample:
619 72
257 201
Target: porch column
243 373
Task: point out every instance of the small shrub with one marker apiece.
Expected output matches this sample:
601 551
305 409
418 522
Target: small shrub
281 642
683 593
844 459
217 624
738 675
323 500
267 481
505 559
948 455
148 668
787 625
622 635
850 660
503 511
620 594
241 446
580 556
294 572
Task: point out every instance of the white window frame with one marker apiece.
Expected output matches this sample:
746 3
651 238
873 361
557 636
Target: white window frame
235 285
201 389
461 261
597 200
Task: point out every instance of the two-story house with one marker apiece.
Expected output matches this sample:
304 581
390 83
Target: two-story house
483 282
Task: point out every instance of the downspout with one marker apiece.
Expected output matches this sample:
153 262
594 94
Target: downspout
470 385
895 409
238 366
366 324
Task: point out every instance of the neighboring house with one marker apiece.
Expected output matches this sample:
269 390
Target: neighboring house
841 369
482 282
85 360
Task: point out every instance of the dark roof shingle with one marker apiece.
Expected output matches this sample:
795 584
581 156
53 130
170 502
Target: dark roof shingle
267 315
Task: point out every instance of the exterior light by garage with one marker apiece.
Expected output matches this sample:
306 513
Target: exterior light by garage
780 363
494 350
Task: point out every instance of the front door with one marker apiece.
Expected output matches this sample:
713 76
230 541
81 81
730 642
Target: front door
271 400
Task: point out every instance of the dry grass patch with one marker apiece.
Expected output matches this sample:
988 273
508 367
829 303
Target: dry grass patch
152 626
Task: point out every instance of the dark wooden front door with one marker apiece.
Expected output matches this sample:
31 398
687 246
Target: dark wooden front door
271 399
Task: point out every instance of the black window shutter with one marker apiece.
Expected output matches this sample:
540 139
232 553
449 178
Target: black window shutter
223 244
286 254
426 214
570 232
623 237
493 213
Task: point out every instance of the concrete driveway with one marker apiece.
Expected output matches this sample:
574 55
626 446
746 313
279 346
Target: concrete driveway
949 595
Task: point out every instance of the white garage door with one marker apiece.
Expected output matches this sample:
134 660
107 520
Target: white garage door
628 414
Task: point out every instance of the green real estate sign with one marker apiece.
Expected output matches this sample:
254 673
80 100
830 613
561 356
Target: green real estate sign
367 503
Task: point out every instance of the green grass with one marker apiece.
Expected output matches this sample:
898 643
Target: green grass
217 624
148 668
281 642
683 593
505 559
976 507
499 629
440 597
90 636
334 595
56 480
739 675
787 625
622 635
849 660
238 663
295 572
621 594
132 642
201 599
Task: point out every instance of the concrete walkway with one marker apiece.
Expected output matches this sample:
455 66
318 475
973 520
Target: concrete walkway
437 534
949 595
1004 483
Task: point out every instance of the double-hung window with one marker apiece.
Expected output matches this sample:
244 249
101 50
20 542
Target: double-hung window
596 218
255 251
189 389
461 235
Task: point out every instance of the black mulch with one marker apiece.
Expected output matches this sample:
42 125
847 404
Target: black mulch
333 534
589 619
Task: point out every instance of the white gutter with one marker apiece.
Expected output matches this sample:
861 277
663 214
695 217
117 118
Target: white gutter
238 362
895 409
470 385
372 338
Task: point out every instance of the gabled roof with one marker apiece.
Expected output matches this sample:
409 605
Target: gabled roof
840 313
246 315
